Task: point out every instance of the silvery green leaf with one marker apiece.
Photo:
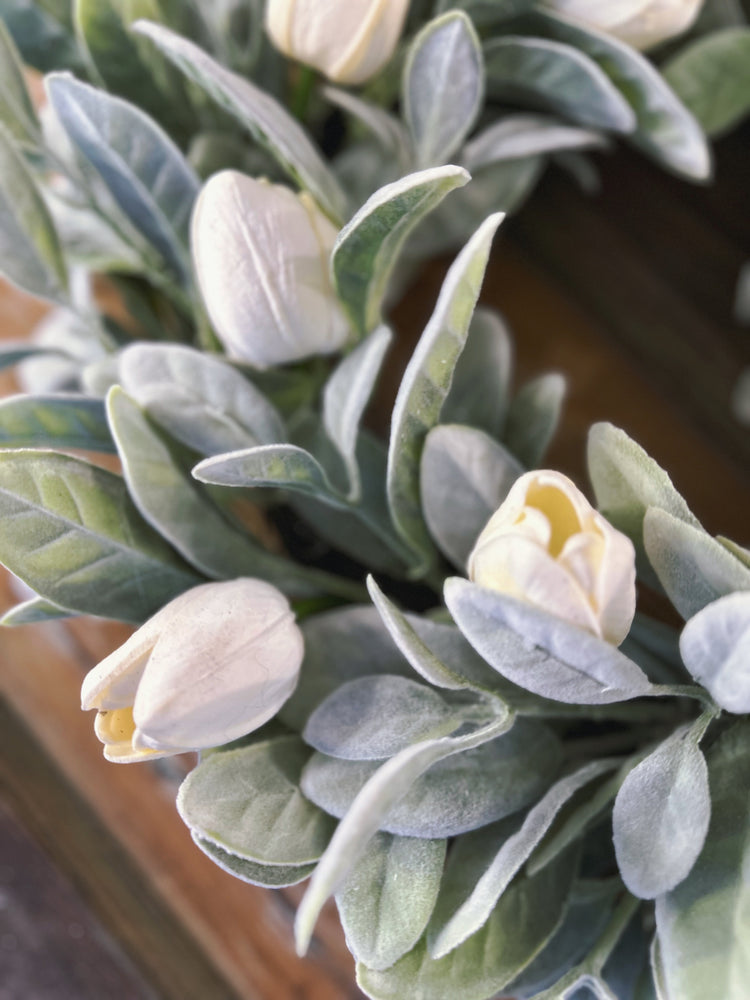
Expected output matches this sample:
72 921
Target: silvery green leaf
34 611
381 124
711 76
443 87
124 65
459 793
248 802
664 127
13 351
172 502
582 815
71 532
200 399
661 816
142 168
363 531
464 477
533 418
345 397
340 645
493 856
742 553
693 567
90 240
480 392
386 899
520 135
267 876
375 717
439 653
30 254
268 122
540 652
368 247
16 109
182 512
660 643
557 77
715 645
626 482
386 787
284 466
703 925
522 923
60 421
43 32
425 386
589 907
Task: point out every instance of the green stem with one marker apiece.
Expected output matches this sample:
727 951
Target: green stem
302 92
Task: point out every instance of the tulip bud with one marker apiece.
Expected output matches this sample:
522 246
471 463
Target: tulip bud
547 545
347 40
212 665
640 23
261 256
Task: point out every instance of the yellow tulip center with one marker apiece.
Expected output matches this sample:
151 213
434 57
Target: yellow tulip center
559 511
115 726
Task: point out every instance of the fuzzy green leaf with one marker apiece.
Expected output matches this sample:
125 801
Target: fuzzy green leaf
267 876
661 816
248 802
387 786
459 793
443 87
201 400
712 78
533 418
483 864
345 398
268 122
30 253
71 532
703 925
694 568
558 77
540 652
387 898
524 920
368 247
715 645
372 718
465 476
142 168
426 383
59 421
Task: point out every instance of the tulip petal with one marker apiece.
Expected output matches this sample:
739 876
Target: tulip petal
518 567
223 669
112 684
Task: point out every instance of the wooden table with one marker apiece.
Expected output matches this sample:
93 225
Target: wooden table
102 892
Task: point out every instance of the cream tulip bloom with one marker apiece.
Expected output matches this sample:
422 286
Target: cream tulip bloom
547 545
640 23
347 40
212 665
261 256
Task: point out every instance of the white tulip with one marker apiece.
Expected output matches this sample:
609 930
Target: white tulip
212 665
547 545
347 40
261 255
640 23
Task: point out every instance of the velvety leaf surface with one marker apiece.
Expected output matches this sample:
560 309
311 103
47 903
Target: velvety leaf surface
248 802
